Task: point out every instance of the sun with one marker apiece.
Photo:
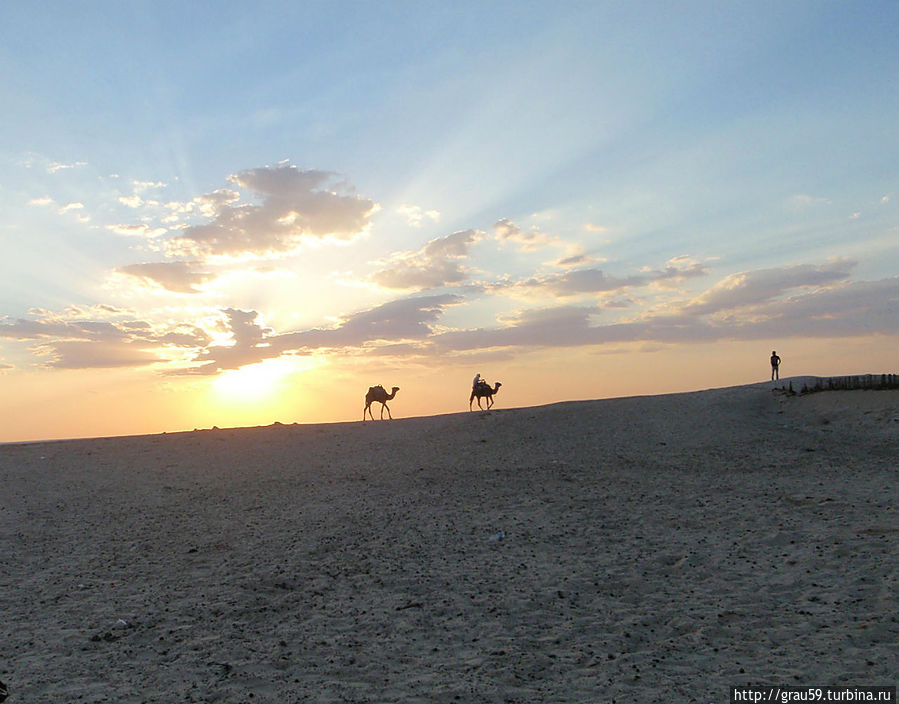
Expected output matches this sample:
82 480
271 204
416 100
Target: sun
253 383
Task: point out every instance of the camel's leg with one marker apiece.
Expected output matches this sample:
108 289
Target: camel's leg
471 398
489 402
388 412
479 403
367 408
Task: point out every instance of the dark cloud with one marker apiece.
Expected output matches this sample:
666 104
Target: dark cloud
178 277
438 263
295 204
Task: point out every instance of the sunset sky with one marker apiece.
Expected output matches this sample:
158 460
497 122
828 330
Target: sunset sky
241 213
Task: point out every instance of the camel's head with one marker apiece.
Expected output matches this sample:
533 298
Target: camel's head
395 389
498 384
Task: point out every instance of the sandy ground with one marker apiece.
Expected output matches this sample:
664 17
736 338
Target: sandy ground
653 549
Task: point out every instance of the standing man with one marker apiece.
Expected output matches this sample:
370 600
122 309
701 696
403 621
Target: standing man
775 366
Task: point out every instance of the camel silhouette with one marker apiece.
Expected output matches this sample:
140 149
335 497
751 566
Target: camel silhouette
378 394
483 390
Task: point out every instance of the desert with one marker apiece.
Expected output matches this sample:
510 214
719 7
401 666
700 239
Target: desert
646 549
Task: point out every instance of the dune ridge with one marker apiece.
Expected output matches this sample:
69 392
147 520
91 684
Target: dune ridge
658 548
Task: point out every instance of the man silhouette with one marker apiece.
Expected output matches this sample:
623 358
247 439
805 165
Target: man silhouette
775 366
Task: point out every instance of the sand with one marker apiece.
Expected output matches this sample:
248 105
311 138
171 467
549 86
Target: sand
653 549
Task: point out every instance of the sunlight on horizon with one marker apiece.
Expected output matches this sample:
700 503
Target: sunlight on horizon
260 383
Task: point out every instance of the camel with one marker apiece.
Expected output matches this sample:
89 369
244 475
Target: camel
483 390
379 394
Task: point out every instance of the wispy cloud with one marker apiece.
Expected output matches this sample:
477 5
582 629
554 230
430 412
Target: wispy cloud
57 166
803 201
416 215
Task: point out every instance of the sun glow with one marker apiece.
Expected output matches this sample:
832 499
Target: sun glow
254 383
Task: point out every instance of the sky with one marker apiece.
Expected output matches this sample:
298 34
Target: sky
230 214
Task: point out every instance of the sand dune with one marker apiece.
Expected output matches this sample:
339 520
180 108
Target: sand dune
653 549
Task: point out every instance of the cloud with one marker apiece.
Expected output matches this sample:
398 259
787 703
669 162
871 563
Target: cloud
142 230
403 319
438 263
211 204
178 277
752 287
73 354
853 312
507 231
415 215
296 204
848 309
563 326
25 329
134 201
56 166
802 201
593 280
579 259
141 186
73 342
408 319
45 201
